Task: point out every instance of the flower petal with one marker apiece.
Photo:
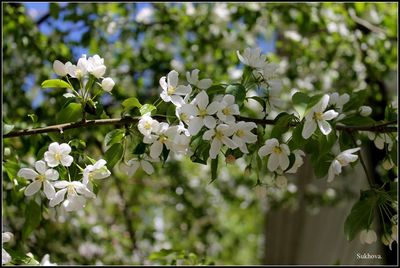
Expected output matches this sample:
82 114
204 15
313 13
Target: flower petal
215 147
64 148
66 160
33 188
173 78
51 174
41 166
204 83
61 184
309 128
213 107
54 147
329 115
210 121
49 190
202 100
163 83
283 161
324 127
27 173
195 124
273 162
155 149
147 167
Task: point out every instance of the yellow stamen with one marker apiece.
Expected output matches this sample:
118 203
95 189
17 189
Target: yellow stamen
147 125
202 112
277 150
171 90
318 116
240 133
226 111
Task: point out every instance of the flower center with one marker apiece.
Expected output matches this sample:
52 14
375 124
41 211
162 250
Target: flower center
57 156
202 112
171 90
240 133
41 177
219 135
184 117
226 111
71 190
277 150
318 116
163 138
147 125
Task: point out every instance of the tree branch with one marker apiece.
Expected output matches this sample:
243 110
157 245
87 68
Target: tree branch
381 127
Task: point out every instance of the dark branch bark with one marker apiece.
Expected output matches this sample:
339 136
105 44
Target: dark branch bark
381 127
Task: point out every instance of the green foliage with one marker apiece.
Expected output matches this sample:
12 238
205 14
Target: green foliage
70 113
131 103
238 91
114 154
114 136
214 169
55 83
147 108
33 216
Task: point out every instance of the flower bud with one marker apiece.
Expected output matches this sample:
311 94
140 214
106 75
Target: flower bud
230 159
281 182
107 84
365 110
368 236
59 68
99 71
387 164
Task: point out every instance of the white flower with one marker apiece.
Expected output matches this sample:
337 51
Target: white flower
147 125
180 142
79 70
227 109
269 70
193 78
97 171
134 164
365 110
58 153
171 91
252 58
107 84
46 261
298 162
341 160
163 134
95 66
380 139
281 182
203 113
39 178
273 99
338 101
59 68
368 236
219 136
77 193
279 154
186 112
5 257
243 135
317 116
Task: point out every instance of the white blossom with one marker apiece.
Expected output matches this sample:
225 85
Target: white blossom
243 135
42 176
338 101
278 154
58 154
79 70
147 125
252 57
380 139
219 136
365 110
281 182
107 84
227 109
5 257
341 160
317 117
171 91
46 261
298 162
193 79
77 193
97 171
368 236
134 164
95 66
59 68
203 113
163 134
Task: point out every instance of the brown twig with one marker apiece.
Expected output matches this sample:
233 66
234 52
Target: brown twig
381 127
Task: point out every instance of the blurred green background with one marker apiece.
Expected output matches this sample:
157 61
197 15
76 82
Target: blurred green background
176 216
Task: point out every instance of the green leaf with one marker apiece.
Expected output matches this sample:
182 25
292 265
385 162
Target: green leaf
33 216
90 107
114 136
313 101
55 83
282 124
140 148
71 113
238 91
131 103
214 169
11 168
7 128
21 258
215 89
357 120
113 155
147 108
321 165
361 214
300 101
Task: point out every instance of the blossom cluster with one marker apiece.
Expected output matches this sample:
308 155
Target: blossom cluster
45 177
92 65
